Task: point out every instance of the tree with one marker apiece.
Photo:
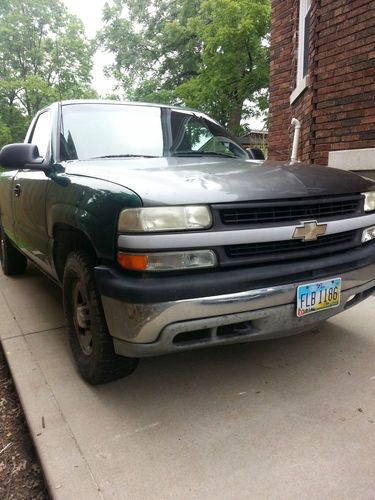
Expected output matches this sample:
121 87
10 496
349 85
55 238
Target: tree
5 134
44 56
210 54
13 123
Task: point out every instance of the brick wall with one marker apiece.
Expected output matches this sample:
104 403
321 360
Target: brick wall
281 70
337 109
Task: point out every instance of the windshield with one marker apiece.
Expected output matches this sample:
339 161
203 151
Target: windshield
107 131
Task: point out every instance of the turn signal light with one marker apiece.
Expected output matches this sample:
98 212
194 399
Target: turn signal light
133 262
167 261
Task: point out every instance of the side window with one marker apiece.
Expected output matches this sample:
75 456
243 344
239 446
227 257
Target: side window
198 135
303 39
41 135
303 48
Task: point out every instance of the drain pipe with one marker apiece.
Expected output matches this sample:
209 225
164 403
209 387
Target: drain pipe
297 130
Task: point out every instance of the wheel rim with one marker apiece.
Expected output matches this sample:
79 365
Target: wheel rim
82 318
2 245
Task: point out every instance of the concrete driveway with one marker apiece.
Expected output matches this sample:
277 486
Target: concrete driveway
289 418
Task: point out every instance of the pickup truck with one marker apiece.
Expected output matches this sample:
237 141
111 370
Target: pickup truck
164 236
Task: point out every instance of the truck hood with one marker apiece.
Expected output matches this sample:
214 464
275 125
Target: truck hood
177 181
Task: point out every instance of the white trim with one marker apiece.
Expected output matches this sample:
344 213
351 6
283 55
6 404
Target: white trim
237 237
301 80
304 7
298 90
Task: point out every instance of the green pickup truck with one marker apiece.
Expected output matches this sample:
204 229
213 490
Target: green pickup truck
165 236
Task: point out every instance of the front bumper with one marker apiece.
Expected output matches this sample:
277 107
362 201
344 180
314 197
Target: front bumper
148 329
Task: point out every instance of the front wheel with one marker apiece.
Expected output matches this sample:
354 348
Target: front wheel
90 341
12 261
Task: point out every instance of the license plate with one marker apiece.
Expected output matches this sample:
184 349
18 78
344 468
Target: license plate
316 297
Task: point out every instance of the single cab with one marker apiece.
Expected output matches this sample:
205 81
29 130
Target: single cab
165 236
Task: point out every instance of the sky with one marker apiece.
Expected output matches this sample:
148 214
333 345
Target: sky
90 11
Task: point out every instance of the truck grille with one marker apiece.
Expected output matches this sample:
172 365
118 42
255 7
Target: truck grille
295 210
291 249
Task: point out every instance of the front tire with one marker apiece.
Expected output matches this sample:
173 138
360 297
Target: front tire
90 341
12 261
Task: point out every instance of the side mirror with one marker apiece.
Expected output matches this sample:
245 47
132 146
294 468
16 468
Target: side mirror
255 154
21 156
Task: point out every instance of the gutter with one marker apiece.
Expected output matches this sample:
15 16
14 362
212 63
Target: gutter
297 130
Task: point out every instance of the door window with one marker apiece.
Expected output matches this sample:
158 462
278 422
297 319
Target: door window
42 133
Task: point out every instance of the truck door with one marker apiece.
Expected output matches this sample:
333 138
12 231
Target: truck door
29 191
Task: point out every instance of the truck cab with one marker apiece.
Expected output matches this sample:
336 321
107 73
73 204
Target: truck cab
165 236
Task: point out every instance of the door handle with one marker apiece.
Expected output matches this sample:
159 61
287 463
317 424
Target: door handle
17 190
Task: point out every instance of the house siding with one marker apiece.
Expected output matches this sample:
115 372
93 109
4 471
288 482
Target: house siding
337 109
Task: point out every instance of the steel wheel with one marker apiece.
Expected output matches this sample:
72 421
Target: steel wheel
82 319
90 341
2 246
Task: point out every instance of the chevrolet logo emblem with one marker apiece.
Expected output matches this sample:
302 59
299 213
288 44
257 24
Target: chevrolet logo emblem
310 231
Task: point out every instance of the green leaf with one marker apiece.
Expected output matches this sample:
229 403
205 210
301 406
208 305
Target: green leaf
44 56
208 54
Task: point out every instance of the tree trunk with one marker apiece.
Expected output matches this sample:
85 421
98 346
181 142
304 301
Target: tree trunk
234 118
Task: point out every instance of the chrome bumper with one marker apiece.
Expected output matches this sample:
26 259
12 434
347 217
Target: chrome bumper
141 330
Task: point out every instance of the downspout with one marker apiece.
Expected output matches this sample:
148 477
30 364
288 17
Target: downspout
297 130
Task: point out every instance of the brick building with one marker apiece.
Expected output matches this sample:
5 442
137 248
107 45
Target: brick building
323 74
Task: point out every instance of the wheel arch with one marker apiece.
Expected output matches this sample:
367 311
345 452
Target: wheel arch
66 239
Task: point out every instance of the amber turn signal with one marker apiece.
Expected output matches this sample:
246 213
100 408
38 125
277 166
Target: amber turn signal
167 261
132 262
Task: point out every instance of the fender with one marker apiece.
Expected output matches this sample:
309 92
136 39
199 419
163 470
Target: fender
91 206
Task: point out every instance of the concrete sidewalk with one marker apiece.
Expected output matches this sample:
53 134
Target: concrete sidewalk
289 418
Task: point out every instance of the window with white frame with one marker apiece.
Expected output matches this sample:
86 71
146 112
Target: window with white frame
303 47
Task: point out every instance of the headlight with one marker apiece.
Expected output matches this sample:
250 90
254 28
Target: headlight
153 219
167 261
369 201
368 234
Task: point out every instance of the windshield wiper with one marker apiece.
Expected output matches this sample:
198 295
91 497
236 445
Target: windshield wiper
204 153
124 156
